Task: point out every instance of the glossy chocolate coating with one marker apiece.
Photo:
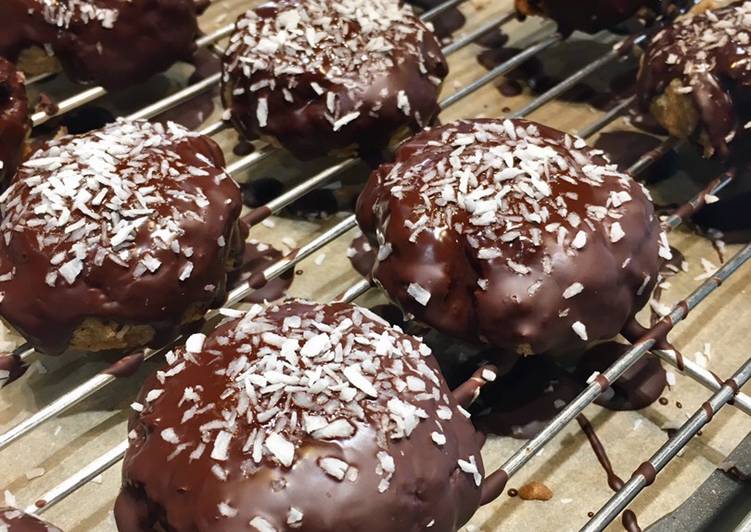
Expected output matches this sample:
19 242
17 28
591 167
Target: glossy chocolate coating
321 76
585 15
14 120
201 456
131 223
707 54
12 520
114 43
512 234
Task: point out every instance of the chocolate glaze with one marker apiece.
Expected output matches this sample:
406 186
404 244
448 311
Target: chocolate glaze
512 298
14 120
362 255
126 366
13 365
13 520
629 522
114 43
614 481
522 402
164 487
586 15
640 386
374 69
716 78
173 261
257 257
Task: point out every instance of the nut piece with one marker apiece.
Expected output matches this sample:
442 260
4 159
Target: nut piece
535 491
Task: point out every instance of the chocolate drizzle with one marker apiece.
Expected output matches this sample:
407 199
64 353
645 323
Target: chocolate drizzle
522 402
14 120
465 257
319 76
115 238
126 366
11 368
588 15
640 386
375 449
695 77
257 257
614 481
114 43
12 520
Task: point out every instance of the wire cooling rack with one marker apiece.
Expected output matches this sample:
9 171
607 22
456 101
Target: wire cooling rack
721 391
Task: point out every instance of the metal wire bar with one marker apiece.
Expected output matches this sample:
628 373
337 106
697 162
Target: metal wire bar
698 201
353 292
439 9
602 382
503 68
559 89
479 32
93 93
175 99
653 155
703 376
646 473
745 525
75 481
607 118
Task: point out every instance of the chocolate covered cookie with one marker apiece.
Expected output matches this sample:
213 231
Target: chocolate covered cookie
114 238
320 76
304 417
513 234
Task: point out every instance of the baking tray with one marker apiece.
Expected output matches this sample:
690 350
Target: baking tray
59 448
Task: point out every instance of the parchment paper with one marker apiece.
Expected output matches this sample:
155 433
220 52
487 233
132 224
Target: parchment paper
567 465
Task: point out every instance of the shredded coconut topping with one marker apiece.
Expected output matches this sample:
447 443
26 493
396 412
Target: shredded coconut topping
118 194
348 43
318 374
504 186
62 13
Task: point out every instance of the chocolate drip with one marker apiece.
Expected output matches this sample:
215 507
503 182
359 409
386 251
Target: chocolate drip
13 365
362 255
522 402
640 386
13 520
647 470
469 391
614 481
340 93
628 519
257 257
14 120
493 486
126 366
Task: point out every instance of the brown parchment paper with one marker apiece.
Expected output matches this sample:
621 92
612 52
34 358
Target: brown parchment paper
567 465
